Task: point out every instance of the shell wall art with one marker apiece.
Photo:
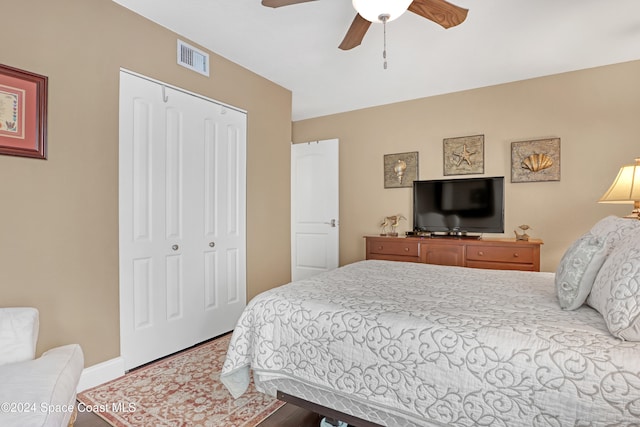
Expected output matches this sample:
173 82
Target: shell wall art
536 160
400 170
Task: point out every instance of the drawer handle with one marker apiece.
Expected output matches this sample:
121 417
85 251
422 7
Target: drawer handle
480 253
406 249
379 248
516 255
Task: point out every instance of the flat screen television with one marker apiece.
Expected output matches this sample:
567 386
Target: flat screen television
458 206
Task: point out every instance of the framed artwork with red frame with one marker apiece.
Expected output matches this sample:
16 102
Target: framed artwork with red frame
23 113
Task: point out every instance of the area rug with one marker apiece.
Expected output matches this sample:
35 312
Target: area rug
178 391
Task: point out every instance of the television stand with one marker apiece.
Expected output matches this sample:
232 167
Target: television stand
495 253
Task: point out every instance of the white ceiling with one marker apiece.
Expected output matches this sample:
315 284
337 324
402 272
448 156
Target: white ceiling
500 41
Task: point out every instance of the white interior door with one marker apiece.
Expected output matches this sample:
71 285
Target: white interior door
182 219
314 208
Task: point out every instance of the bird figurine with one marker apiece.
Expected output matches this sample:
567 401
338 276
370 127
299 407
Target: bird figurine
390 221
524 236
383 226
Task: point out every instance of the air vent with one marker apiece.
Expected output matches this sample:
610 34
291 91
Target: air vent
193 58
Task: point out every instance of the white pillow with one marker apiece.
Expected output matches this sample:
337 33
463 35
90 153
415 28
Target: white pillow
578 269
18 334
580 264
616 290
614 229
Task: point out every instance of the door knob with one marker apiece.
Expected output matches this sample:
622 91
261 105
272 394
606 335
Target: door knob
332 223
175 247
212 244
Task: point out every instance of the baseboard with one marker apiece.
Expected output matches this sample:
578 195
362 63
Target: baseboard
101 373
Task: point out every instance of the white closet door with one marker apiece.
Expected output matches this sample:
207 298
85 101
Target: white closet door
222 236
182 219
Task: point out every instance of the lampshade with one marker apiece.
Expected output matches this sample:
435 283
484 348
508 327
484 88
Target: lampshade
625 188
372 9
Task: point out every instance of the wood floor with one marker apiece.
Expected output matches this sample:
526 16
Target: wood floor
287 416
87 419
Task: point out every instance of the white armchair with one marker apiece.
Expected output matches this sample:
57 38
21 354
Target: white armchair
35 392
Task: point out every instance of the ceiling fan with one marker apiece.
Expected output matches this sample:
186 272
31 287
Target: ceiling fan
441 12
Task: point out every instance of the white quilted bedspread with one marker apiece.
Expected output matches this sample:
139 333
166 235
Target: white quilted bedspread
441 346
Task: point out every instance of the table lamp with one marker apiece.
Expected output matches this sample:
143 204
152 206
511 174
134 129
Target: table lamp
626 189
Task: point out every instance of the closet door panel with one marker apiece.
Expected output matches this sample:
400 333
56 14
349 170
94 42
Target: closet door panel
182 219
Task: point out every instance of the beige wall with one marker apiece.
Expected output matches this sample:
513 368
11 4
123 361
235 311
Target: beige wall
595 113
59 217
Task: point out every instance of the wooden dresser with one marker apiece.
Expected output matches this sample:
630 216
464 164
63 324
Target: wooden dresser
499 254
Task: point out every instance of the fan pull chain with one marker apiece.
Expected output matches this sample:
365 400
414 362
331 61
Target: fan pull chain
384 19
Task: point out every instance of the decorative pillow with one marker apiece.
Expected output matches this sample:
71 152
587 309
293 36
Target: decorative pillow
613 229
578 269
18 334
616 290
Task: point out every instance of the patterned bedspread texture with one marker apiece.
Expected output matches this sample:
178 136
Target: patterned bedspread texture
444 345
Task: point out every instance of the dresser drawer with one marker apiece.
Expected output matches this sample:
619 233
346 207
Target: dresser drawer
394 247
505 254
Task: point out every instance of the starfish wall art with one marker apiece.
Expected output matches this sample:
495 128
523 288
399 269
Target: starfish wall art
464 155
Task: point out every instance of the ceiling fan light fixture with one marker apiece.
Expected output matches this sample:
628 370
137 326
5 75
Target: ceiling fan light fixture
373 10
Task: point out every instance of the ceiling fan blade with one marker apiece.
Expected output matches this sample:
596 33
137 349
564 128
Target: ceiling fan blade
356 33
280 3
439 11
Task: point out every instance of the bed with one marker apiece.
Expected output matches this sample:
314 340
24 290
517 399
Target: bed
407 344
